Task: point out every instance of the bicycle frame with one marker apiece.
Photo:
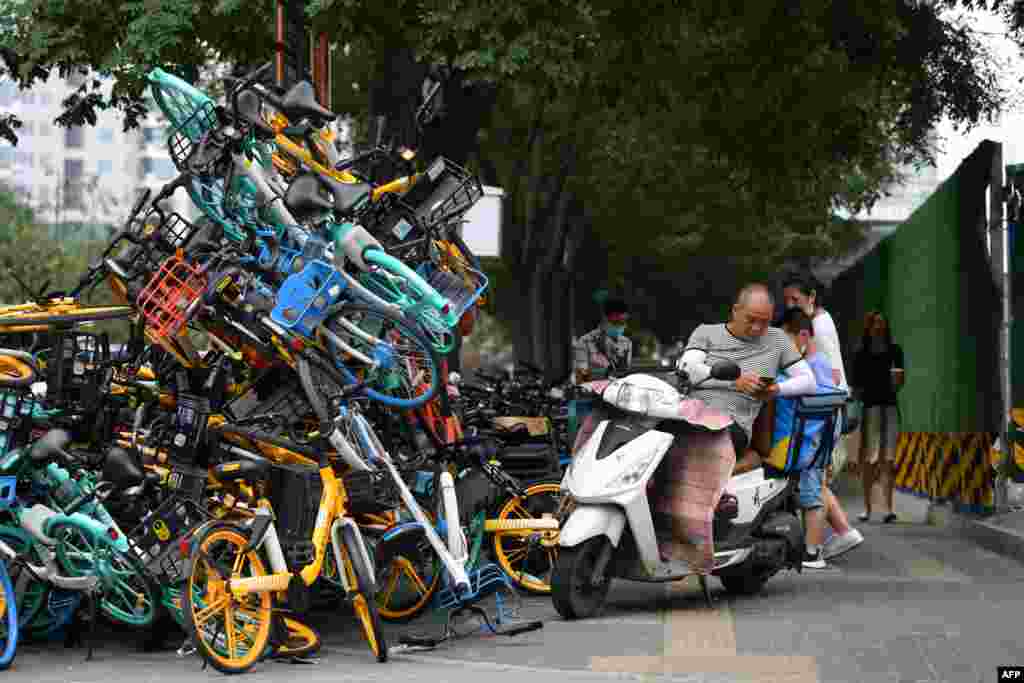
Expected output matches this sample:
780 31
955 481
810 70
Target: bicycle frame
454 562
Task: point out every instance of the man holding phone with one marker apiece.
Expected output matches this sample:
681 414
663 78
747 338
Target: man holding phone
760 350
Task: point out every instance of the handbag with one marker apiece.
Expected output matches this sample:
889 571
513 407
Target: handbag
853 413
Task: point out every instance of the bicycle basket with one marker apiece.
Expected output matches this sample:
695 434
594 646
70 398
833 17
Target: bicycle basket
184 138
76 368
295 492
305 297
443 192
157 540
166 300
8 490
462 288
370 492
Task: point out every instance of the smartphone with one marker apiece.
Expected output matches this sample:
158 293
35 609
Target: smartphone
767 381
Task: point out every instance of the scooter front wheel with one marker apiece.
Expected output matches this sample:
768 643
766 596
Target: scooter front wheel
574 592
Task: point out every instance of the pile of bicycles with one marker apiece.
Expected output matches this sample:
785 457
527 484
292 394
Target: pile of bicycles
258 445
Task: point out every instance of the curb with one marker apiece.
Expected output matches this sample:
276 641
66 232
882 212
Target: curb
998 539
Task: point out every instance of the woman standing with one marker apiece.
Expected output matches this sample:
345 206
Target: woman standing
803 294
878 373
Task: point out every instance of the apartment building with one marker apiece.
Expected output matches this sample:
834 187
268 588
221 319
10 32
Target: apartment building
81 179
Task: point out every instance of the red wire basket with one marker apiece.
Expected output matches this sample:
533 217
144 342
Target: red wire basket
166 300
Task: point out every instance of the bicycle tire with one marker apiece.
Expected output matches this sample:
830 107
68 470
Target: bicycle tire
408 606
365 600
526 580
104 569
393 323
226 664
84 315
31 602
9 616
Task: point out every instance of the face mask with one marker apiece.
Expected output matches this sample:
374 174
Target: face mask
615 330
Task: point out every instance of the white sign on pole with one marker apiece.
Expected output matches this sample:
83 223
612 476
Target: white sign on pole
482 230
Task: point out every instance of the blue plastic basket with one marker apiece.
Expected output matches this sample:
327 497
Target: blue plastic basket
306 296
16 409
8 488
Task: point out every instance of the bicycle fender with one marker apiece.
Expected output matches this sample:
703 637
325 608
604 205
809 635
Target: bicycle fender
401 539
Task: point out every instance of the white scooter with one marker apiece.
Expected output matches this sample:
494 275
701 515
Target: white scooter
608 527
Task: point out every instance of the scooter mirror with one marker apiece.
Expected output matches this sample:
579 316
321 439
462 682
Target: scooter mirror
725 370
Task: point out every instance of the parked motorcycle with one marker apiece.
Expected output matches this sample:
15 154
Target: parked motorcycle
608 528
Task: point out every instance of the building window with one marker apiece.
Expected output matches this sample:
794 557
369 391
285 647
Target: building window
44 128
8 92
105 135
45 99
74 137
28 98
164 169
152 135
27 128
73 169
104 167
6 156
23 159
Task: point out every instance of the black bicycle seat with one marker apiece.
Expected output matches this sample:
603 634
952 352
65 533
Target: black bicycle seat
300 102
121 469
50 447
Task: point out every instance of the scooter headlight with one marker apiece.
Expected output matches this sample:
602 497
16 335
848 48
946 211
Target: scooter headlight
636 399
634 472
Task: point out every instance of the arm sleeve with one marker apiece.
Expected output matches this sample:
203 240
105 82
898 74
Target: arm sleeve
693 360
897 357
827 337
789 355
801 380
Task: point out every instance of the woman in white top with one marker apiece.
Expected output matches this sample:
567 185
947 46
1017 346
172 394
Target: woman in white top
803 294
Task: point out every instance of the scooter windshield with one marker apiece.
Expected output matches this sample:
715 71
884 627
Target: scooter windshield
622 428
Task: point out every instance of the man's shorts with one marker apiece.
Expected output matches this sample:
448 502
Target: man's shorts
811 482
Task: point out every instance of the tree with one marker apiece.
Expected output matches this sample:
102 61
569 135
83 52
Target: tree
721 135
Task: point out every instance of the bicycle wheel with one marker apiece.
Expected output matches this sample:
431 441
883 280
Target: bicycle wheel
298 639
15 372
129 596
529 561
8 619
31 593
229 633
408 578
408 370
364 602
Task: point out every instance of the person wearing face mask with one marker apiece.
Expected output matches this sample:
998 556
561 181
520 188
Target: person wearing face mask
606 350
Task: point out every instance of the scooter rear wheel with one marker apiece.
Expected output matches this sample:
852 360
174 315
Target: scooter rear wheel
749 583
572 591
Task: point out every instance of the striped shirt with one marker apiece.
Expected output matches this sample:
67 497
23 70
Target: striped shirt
765 356
596 351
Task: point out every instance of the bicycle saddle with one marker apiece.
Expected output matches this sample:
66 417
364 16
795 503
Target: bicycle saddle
249 109
17 369
347 196
304 196
121 469
246 470
300 102
50 447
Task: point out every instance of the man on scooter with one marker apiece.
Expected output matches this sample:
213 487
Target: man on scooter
760 351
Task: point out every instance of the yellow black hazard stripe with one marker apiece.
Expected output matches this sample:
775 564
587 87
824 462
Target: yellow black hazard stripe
953 466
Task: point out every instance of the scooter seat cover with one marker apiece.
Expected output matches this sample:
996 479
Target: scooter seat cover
699 413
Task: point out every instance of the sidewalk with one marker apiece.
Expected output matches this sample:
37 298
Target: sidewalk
1001 534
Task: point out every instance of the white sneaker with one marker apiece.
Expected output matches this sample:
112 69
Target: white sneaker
842 543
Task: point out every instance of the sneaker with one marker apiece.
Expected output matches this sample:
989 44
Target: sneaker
842 543
864 517
815 561
890 518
